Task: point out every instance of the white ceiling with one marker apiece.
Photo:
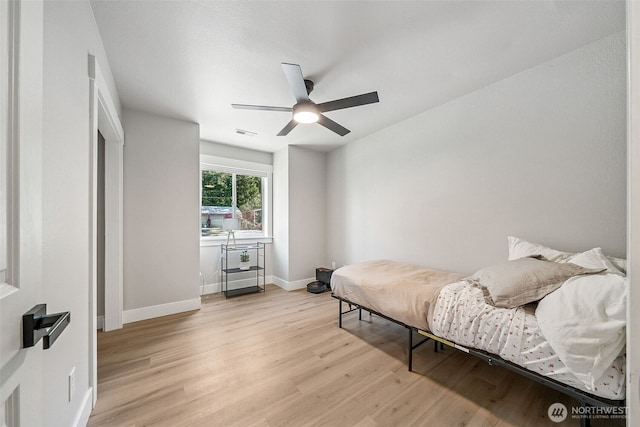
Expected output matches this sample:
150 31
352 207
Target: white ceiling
192 60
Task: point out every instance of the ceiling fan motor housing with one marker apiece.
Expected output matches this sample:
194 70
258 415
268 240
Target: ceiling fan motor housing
309 85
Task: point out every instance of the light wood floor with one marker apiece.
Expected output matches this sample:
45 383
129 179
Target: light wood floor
279 359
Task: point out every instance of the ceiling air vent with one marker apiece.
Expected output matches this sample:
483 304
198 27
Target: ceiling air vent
245 132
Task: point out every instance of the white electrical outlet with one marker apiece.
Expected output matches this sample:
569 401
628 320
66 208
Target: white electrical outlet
333 265
72 383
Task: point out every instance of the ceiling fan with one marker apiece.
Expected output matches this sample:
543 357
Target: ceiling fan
307 111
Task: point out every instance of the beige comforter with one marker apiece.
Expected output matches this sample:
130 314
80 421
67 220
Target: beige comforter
402 291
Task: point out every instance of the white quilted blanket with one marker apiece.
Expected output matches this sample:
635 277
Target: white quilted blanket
462 315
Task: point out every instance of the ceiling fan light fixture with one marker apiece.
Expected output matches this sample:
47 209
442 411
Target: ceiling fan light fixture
305 112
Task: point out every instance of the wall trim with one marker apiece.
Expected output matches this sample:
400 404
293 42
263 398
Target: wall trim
159 310
82 417
633 207
292 286
211 288
235 163
103 117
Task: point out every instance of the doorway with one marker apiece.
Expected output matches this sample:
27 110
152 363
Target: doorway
100 233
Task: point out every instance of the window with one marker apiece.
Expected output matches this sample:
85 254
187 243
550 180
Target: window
232 193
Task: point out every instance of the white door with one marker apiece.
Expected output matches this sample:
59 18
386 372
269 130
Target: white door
21 49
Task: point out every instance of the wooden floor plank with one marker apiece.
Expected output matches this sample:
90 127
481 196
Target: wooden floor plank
279 359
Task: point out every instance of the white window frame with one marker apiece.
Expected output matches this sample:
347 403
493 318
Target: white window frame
241 167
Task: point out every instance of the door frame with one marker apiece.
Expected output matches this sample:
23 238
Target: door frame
21 369
633 209
104 117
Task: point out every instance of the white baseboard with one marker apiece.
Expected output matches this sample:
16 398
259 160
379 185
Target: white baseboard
211 288
100 322
292 286
153 311
82 417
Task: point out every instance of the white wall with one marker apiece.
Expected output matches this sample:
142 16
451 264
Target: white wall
299 216
161 215
233 152
281 214
540 155
70 35
307 248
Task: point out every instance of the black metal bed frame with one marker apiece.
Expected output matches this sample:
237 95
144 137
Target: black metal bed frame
585 399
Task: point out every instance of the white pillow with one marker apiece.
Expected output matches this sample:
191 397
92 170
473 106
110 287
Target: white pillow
520 248
585 323
621 264
594 258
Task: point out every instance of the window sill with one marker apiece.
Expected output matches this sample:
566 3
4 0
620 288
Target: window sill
217 241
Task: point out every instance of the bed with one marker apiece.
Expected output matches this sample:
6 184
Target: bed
566 330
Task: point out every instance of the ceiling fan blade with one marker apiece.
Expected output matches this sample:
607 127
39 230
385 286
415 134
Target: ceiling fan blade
261 107
352 101
293 72
331 125
285 130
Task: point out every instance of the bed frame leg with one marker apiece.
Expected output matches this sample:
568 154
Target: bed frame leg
340 314
359 313
410 349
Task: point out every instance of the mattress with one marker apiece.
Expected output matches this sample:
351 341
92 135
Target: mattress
402 291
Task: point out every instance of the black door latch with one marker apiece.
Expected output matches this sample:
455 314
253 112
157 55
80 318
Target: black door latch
36 324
